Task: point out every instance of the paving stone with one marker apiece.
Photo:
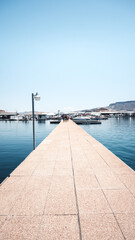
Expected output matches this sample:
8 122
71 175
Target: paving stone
100 227
104 171
14 183
39 183
86 181
62 182
7 200
128 180
59 228
2 220
109 181
61 202
18 228
30 203
63 164
63 172
121 200
92 201
127 225
96 161
123 170
43 172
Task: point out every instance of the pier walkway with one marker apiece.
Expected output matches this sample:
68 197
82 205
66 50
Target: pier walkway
71 187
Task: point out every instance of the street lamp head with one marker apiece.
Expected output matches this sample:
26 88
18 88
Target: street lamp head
37 97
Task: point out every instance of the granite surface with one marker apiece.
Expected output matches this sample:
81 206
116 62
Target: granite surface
69 188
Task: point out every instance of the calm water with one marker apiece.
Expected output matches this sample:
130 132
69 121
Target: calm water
118 135
16 143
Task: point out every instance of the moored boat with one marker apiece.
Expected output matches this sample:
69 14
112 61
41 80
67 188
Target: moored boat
85 120
55 121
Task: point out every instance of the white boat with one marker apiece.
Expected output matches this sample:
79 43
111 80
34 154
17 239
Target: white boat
85 120
55 121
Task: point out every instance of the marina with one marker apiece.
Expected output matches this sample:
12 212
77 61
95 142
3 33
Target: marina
82 115
70 187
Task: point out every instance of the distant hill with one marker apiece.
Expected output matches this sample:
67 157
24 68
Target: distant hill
101 109
119 106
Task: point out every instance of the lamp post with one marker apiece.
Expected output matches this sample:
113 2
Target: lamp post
37 98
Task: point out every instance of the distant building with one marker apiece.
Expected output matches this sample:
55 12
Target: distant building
7 115
41 116
44 116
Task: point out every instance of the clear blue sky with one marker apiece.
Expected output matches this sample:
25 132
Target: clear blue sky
77 54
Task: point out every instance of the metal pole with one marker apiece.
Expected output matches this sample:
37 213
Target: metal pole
33 121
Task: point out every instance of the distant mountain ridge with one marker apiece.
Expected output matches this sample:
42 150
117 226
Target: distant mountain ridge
119 106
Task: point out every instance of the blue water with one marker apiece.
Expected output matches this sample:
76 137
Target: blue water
16 143
118 135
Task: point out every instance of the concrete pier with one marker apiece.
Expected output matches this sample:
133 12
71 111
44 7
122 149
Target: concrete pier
71 187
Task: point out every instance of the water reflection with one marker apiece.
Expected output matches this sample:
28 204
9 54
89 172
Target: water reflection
41 121
16 142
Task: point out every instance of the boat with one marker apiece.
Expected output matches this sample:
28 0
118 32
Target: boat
85 120
55 121
104 117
